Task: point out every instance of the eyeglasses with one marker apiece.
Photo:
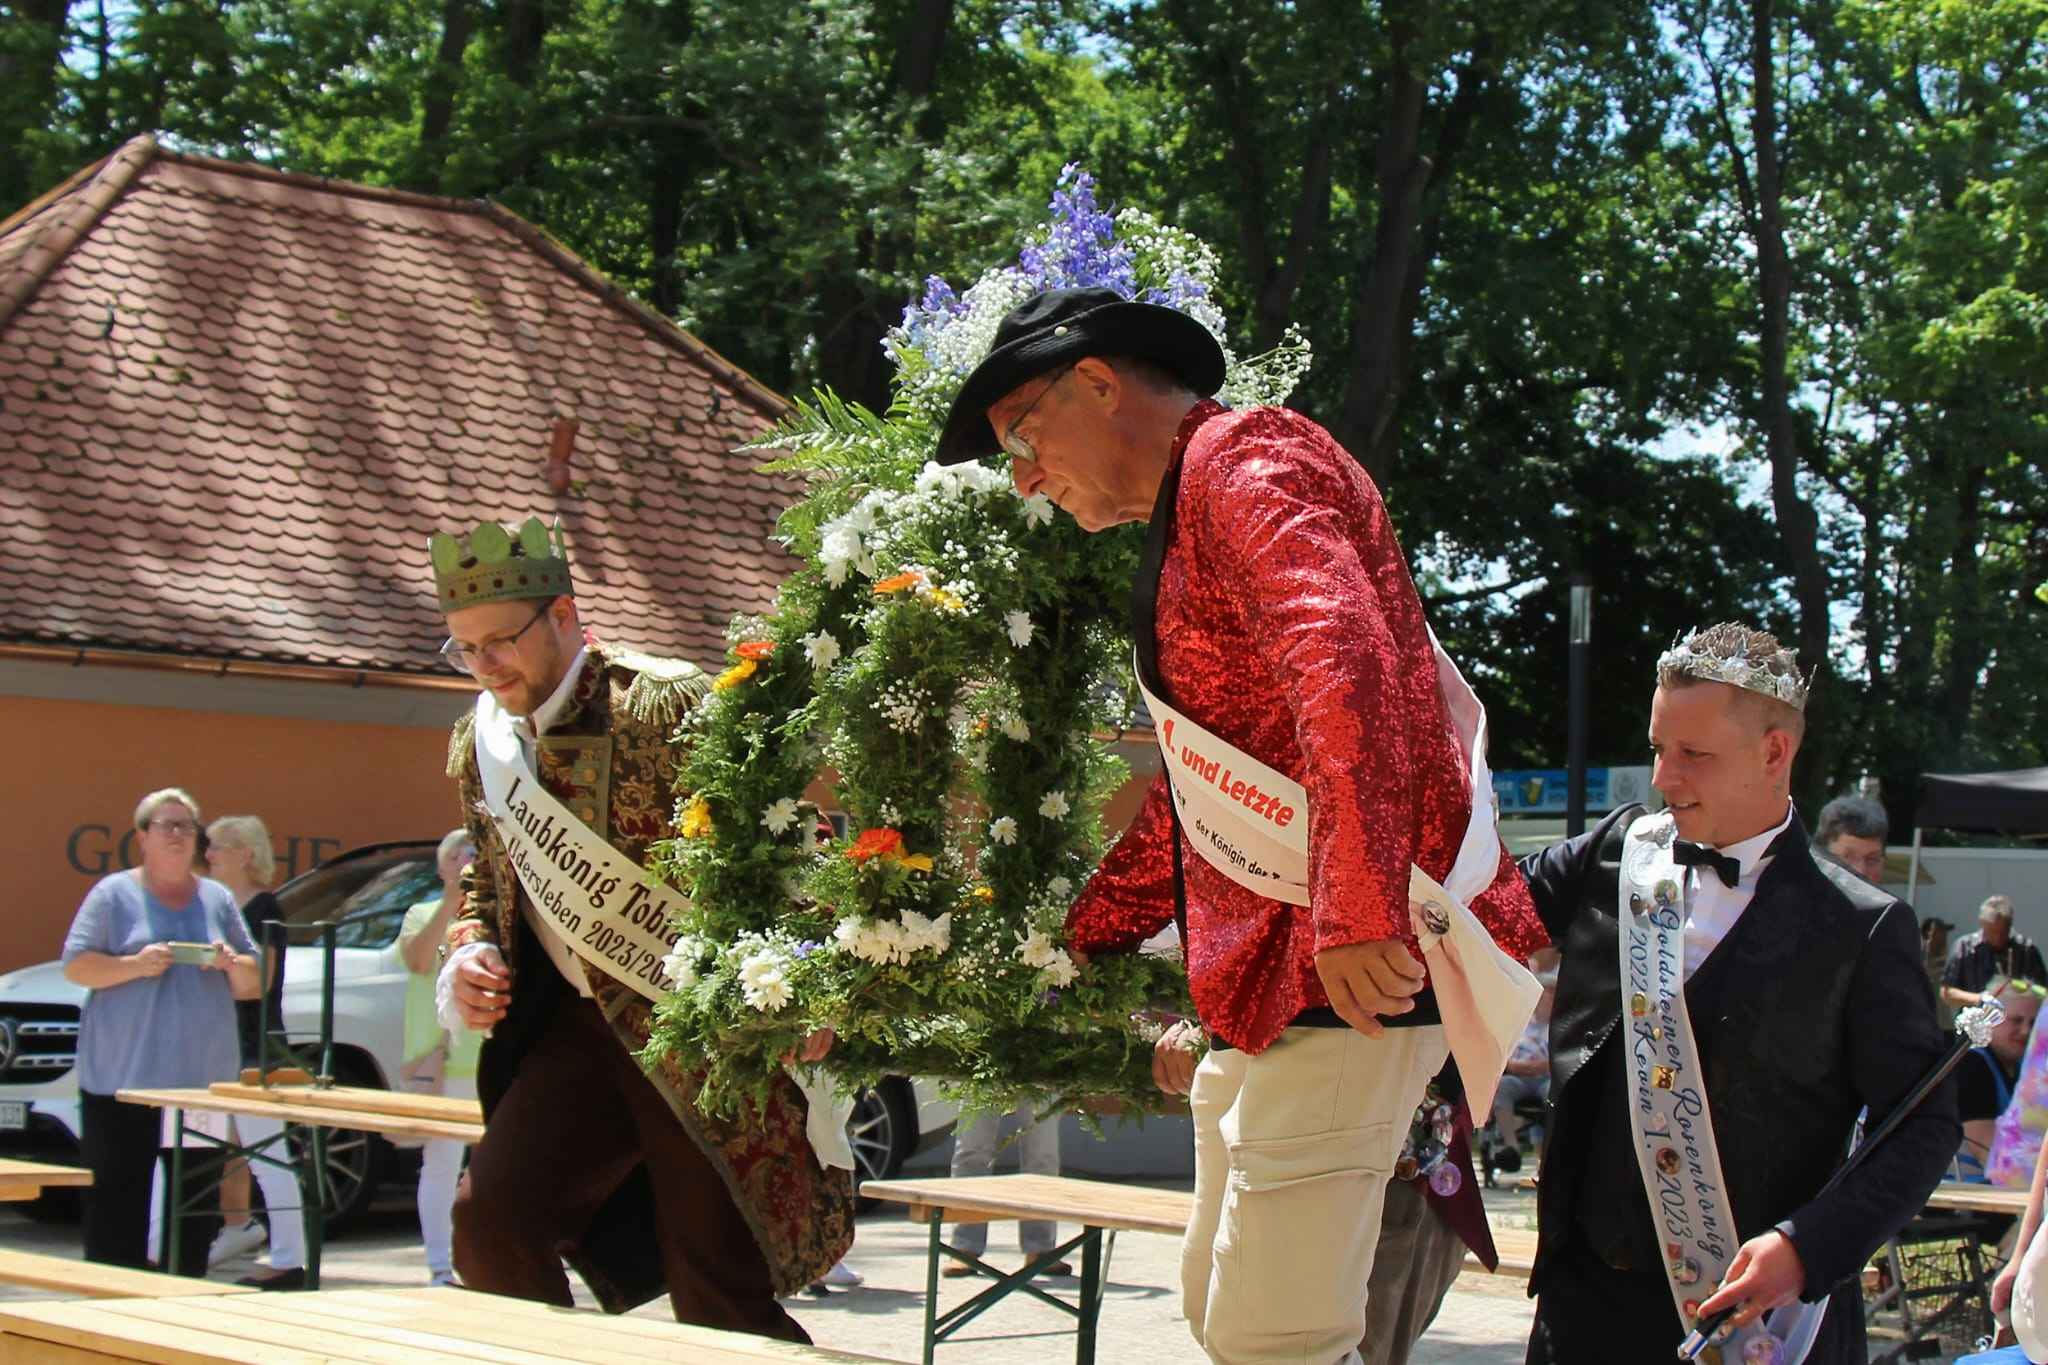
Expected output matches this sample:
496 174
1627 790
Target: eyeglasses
174 828
1017 447
477 658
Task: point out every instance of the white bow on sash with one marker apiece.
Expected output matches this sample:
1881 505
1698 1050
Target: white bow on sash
1251 823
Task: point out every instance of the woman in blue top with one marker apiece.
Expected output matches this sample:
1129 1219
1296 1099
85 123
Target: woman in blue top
158 1017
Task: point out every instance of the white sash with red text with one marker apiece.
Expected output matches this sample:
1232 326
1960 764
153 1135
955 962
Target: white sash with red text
1251 823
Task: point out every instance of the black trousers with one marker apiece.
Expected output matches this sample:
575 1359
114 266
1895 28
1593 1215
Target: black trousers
1593 1314
121 1144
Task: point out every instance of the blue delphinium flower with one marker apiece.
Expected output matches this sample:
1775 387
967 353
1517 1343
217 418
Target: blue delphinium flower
1081 250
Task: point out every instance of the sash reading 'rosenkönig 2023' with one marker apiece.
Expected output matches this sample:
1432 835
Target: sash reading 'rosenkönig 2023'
1250 822
1668 1115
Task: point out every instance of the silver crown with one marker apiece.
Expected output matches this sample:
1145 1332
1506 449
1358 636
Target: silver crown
1775 675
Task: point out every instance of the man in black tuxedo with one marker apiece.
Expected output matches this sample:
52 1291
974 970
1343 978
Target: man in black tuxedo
1808 999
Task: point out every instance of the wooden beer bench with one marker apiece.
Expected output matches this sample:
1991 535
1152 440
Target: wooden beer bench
390 1113
390 1327
89 1279
21 1180
1101 1207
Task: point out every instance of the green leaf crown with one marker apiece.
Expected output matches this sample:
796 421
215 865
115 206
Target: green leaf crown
494 564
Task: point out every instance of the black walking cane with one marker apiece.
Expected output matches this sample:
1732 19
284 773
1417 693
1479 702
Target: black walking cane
1973 1029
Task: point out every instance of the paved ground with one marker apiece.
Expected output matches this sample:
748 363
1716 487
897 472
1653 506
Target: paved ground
1484 1322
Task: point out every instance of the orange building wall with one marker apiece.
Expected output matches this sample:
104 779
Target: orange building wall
76 770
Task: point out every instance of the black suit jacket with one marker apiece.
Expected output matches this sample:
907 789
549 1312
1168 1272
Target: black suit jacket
1815 1005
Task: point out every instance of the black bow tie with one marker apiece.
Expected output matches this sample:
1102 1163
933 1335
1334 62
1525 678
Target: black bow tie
1699 855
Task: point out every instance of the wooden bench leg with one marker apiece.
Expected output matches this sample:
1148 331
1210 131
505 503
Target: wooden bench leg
174 1189
931 1290
1091 1297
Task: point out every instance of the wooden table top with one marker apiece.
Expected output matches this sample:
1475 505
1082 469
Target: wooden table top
993 1198
359 1099
1949 1194
41 1173
1956 1194
399 1118
1099 1204
66 1275
27 1179
384 1326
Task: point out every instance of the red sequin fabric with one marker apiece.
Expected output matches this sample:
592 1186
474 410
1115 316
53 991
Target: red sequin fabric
1288 626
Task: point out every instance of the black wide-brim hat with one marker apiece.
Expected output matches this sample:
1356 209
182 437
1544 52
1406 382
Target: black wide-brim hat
1064 325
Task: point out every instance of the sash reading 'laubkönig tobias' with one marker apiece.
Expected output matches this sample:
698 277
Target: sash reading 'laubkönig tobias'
600 904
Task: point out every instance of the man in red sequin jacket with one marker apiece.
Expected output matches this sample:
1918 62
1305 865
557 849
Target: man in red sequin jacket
1274 609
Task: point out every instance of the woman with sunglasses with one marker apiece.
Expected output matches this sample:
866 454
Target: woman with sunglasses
165 954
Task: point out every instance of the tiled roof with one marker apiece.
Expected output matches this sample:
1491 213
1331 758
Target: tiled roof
235 403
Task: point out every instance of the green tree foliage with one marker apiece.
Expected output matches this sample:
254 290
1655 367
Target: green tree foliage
1737 306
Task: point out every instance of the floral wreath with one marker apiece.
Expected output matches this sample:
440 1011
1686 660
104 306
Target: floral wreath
954 654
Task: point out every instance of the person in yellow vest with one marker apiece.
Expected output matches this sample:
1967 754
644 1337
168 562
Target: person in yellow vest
438 1060
567 771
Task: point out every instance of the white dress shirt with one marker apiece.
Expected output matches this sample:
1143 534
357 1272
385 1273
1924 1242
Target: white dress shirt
544 718
1713 906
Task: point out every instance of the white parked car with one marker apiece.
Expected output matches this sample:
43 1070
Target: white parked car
366 892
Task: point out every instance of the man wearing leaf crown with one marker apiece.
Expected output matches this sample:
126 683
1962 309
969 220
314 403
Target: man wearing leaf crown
1315 761
566 767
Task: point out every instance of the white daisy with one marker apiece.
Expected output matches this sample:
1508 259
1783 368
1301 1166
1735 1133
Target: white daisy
1058 970
1035 949
1055 806
839 553
1003 830
780 816
764 981
680 966
1014 727
821 649
1060 888
1038 509
1020 628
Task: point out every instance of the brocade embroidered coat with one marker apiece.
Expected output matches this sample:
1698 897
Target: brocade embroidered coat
1288 626
612 762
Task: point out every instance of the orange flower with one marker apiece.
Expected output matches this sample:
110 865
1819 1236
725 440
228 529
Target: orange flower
756 649
898 583
876 843
734 676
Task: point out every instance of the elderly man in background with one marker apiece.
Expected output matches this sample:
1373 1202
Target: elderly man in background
1995 950
1527 1074
1852 832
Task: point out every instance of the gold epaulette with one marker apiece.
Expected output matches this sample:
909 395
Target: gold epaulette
662 689
461 741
